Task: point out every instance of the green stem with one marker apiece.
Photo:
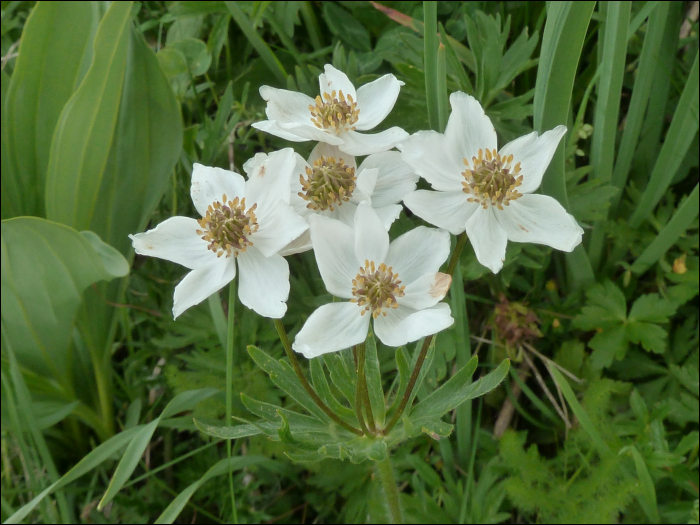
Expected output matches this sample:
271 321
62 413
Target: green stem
391 491
229 385
309 389
461 241
362 386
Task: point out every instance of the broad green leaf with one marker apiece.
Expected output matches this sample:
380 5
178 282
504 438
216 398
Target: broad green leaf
608 345
651 336
45 269
172 62
651 308
606 307
436 429
221 468
196 55
137 446
374 380
54 55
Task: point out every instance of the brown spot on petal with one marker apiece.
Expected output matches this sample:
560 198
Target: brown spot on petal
261 172
441 285
523 228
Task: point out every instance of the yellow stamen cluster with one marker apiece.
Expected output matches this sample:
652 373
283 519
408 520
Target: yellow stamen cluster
334 113
491 180
327 184
227 225
376 288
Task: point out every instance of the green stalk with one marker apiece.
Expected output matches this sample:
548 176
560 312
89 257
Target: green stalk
461 241
232 291
430 64
391 491
282 332
362 386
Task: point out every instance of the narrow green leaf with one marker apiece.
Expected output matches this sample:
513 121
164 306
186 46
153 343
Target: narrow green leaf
562 42
373 377
284 377
441 80
681 133
646 71
132 455
343 377
669 234
320 383
221 468
430 66
647 498
268 56
54 54
404 374
607 109
239 431
579 412
91 461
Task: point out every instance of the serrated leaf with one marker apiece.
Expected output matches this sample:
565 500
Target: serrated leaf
606 306
608 345
651 336
651 308
298 422
223 432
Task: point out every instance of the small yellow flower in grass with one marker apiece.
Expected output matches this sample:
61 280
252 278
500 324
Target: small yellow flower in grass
336 115
397 286
485 191
244 223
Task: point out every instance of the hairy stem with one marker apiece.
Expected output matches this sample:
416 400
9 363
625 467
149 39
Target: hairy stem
282 332
391 491
232 292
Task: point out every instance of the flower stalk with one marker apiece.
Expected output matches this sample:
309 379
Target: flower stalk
362 388
391 491
461 241
309 389
229 384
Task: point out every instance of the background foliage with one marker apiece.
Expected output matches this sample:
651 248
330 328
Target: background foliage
106 107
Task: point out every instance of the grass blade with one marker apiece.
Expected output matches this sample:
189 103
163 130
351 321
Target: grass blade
647 496
667 237
267 55
680 136
562 42
607 109
430 66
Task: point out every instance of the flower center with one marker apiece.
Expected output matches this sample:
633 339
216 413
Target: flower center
492 180
375 289
334 113
227 225
327 184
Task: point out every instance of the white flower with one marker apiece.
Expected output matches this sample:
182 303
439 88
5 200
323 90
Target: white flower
486 192
334 115
245 221
331 184
398 284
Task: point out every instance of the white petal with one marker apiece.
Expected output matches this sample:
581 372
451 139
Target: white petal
264 283
273 128
534 155
446 209
295 200
210 184
468 128
404 325
327 150
334 80
426 291
269 178
345 213
334 248
542 220
417 252
395 179
331 328
376 100
388 214
488 238
371 237
277 228
299 245
311 132
366 180
431 156
285 106
202 282
356 143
